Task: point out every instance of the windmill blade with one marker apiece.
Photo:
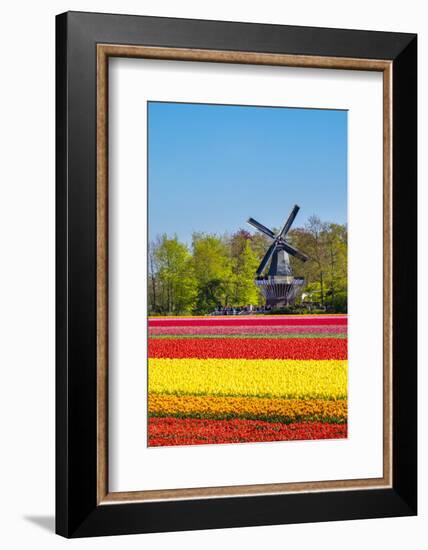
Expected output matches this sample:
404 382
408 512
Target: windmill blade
294 252
261 228
266 258
289 222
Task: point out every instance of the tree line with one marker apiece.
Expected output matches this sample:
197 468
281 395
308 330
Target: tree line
218 271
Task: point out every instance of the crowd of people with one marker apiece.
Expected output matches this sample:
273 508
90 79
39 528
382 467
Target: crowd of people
244 310
304 307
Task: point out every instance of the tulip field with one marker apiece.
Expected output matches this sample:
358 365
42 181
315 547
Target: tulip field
240 379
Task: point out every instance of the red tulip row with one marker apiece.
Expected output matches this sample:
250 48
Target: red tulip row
250 348
166 431
264 320
332 330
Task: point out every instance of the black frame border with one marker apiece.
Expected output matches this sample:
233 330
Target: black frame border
77 512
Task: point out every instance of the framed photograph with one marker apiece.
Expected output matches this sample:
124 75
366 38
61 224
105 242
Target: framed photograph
236 274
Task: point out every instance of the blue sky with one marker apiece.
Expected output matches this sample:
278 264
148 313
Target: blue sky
213 166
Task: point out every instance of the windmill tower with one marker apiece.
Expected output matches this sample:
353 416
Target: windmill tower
279 285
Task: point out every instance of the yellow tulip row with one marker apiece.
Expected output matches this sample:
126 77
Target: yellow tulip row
248 407
290 379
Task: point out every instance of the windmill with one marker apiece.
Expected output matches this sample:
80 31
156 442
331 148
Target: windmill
279 285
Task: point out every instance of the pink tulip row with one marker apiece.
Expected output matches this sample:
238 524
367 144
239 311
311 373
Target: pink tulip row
244 321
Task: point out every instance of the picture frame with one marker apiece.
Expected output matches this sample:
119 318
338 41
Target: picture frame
84 44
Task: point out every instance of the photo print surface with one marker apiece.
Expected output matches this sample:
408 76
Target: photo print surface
247 274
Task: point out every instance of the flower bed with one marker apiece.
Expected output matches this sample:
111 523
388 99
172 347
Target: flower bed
264 330
247 379
249 348
190 431
258 408
303 320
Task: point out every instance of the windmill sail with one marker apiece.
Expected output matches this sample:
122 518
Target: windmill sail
266 259
290 221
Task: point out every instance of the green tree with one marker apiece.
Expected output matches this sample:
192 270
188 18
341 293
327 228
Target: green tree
153 278
325 272
176 277
244 264
337 265
213 273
